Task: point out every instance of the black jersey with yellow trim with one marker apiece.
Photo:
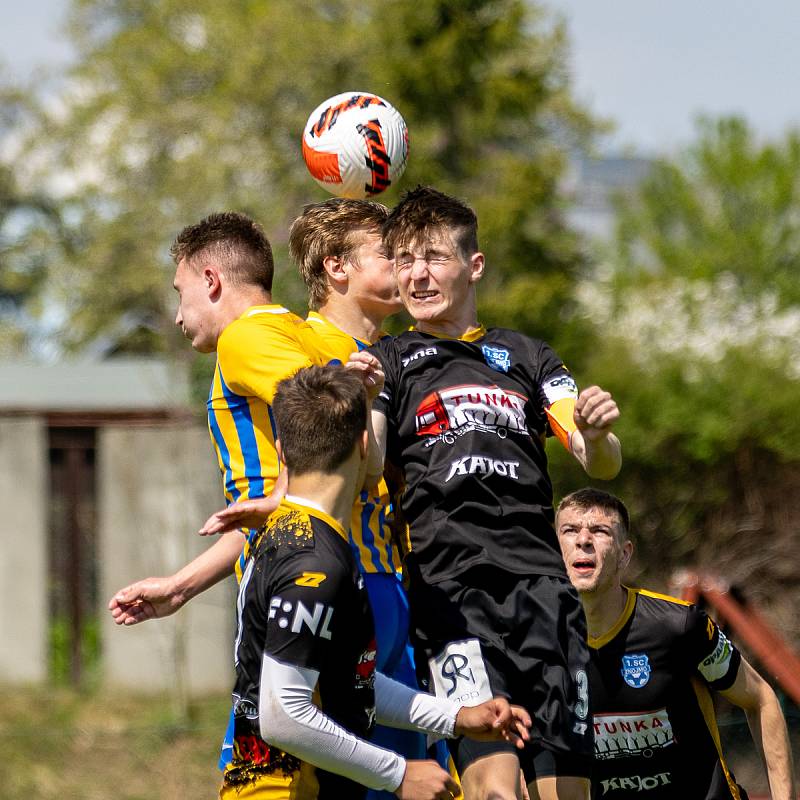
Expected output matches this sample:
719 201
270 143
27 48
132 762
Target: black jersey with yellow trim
649 678
467 424
302 601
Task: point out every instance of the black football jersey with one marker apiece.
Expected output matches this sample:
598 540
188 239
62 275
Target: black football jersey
467 427
302 601
654 727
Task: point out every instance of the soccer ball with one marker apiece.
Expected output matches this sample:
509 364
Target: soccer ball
355 144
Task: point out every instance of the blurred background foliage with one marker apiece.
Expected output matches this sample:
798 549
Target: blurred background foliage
689 315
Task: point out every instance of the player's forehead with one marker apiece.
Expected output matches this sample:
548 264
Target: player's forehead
434 238
590 516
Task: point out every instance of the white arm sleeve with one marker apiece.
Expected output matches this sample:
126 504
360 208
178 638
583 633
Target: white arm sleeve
289 719
399 706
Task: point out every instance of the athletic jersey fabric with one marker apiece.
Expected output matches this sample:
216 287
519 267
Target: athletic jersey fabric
370 526
467 424
654 725
302 602
254 353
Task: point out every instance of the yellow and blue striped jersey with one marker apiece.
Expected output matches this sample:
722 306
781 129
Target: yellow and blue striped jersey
370 529
254 353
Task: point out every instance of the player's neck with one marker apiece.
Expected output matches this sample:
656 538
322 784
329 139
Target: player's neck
333 493
355 321
446 329
603 609
237 302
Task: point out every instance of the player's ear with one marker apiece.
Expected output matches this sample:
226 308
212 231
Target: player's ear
279 451
212 280
363 445
334 270
477 261
626 554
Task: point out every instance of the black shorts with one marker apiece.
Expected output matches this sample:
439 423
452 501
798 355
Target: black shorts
489 632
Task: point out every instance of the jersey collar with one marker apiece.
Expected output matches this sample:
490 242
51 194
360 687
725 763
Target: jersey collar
315 510
600 641
472 335
315 317
272 308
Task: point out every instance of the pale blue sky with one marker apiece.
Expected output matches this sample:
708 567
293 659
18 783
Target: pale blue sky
651 66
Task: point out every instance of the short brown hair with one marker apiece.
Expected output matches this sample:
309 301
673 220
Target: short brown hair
425 210
330 228
320 412
584 499
235 241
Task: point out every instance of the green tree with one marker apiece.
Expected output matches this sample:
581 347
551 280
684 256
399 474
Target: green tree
176 108
29 222
697 332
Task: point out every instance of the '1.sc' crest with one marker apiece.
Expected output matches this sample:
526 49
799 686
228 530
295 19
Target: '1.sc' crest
636 670
497 358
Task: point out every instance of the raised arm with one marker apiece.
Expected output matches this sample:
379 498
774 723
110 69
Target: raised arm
369 368
593 444
764 716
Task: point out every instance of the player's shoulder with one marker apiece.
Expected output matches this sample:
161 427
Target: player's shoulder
289 528
662 611
258 320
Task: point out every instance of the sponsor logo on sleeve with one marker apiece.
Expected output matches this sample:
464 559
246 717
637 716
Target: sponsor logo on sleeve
635 670
365 666
445 415
497 358
560 387
297 616
716 665
640 733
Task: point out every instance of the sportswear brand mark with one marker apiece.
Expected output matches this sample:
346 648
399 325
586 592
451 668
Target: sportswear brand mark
637 783
302 616
426 351
481 465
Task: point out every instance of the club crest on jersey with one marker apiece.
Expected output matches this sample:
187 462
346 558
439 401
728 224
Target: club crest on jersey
636 670
497 358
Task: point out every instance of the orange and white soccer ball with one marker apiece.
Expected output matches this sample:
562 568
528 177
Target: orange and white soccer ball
355 144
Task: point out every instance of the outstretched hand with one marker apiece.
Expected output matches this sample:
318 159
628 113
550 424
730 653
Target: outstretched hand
244 514
493 720
595 413
150 598
370 370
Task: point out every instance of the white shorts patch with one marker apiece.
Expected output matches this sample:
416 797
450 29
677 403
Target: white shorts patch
458 674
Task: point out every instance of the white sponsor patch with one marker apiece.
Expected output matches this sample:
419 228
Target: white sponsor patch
638 734
445 415
559 387
458 674
716 666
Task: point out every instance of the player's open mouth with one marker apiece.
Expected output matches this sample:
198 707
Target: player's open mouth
583 567
423 295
